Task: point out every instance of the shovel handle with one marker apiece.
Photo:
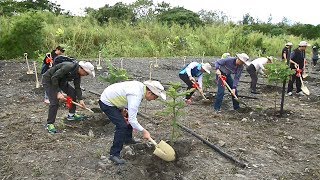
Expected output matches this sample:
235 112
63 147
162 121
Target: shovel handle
230 90
153 142
200 90
77 104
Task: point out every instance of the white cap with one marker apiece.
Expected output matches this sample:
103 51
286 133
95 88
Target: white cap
156 88
88 67
225 55
304 43
207 67
244 58
270 58
289 44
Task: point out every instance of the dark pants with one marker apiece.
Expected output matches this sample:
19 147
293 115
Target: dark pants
220 94
314 61
123 132
54 102
254 77
185 78
293 79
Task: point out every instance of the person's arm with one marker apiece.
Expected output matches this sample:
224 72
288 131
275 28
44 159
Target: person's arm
77 88
200 80
60 73
133 106
189 67
237 78
292 55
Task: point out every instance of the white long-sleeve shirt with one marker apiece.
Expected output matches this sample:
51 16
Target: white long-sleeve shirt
258 64
198 72
128 94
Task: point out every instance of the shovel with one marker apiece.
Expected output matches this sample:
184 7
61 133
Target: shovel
36 73
69 102
304 88
163 150
230 90
196 86
305 74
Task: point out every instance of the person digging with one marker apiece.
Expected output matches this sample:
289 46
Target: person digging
192 71
127 95
224 68
56 79
257 67
297 62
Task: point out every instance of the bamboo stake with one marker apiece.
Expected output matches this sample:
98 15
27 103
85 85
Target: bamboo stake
29 70
99 61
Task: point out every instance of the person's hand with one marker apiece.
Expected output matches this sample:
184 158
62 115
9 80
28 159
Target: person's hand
81 102
233 91
146 134
60 96
218 72
192 79
296 65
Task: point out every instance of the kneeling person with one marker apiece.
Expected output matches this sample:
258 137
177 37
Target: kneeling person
128 94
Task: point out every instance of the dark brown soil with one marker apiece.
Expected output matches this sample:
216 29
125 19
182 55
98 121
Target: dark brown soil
272 146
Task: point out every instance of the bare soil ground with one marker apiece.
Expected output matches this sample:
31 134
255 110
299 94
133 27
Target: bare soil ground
273 147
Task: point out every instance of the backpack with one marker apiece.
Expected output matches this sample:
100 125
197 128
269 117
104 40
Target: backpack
60 59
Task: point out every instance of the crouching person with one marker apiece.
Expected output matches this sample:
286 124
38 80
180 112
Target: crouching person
192 71
56 79
128 94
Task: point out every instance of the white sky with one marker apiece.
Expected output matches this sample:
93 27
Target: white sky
306 12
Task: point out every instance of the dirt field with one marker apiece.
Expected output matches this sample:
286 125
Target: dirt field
272 147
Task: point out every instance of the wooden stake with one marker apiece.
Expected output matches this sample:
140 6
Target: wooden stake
184 60
99 61
156 64
36 73
150 70
121 63
202 57
29 70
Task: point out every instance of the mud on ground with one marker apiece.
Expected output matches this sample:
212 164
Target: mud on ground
271 146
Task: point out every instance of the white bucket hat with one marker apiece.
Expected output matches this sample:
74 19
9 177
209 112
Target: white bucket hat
207 67
156 88
88 67
304 44
289 44
244 58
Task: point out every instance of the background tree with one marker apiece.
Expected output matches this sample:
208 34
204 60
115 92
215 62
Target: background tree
181 16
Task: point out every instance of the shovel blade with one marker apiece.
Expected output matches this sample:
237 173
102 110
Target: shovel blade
165 151
304 75
305 90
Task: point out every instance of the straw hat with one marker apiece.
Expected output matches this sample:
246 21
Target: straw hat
304 44
244 58
289 44
207 67
88 67
156 88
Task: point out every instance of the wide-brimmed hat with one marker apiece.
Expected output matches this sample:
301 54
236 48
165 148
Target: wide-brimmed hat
207 67
88 67
270 58
304 44
156 88
244 58
289 44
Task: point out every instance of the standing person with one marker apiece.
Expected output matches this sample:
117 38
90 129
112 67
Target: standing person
285 51
297 59
192 71
257 66
128 94
226 67
48 63
315 55
56 79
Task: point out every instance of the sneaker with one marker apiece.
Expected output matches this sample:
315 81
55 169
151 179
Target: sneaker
289 93
132 141
46 101
117 160
255 92
75 117
217 111
301 93
51 129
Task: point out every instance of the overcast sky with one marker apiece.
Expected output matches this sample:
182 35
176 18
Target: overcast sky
306 12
